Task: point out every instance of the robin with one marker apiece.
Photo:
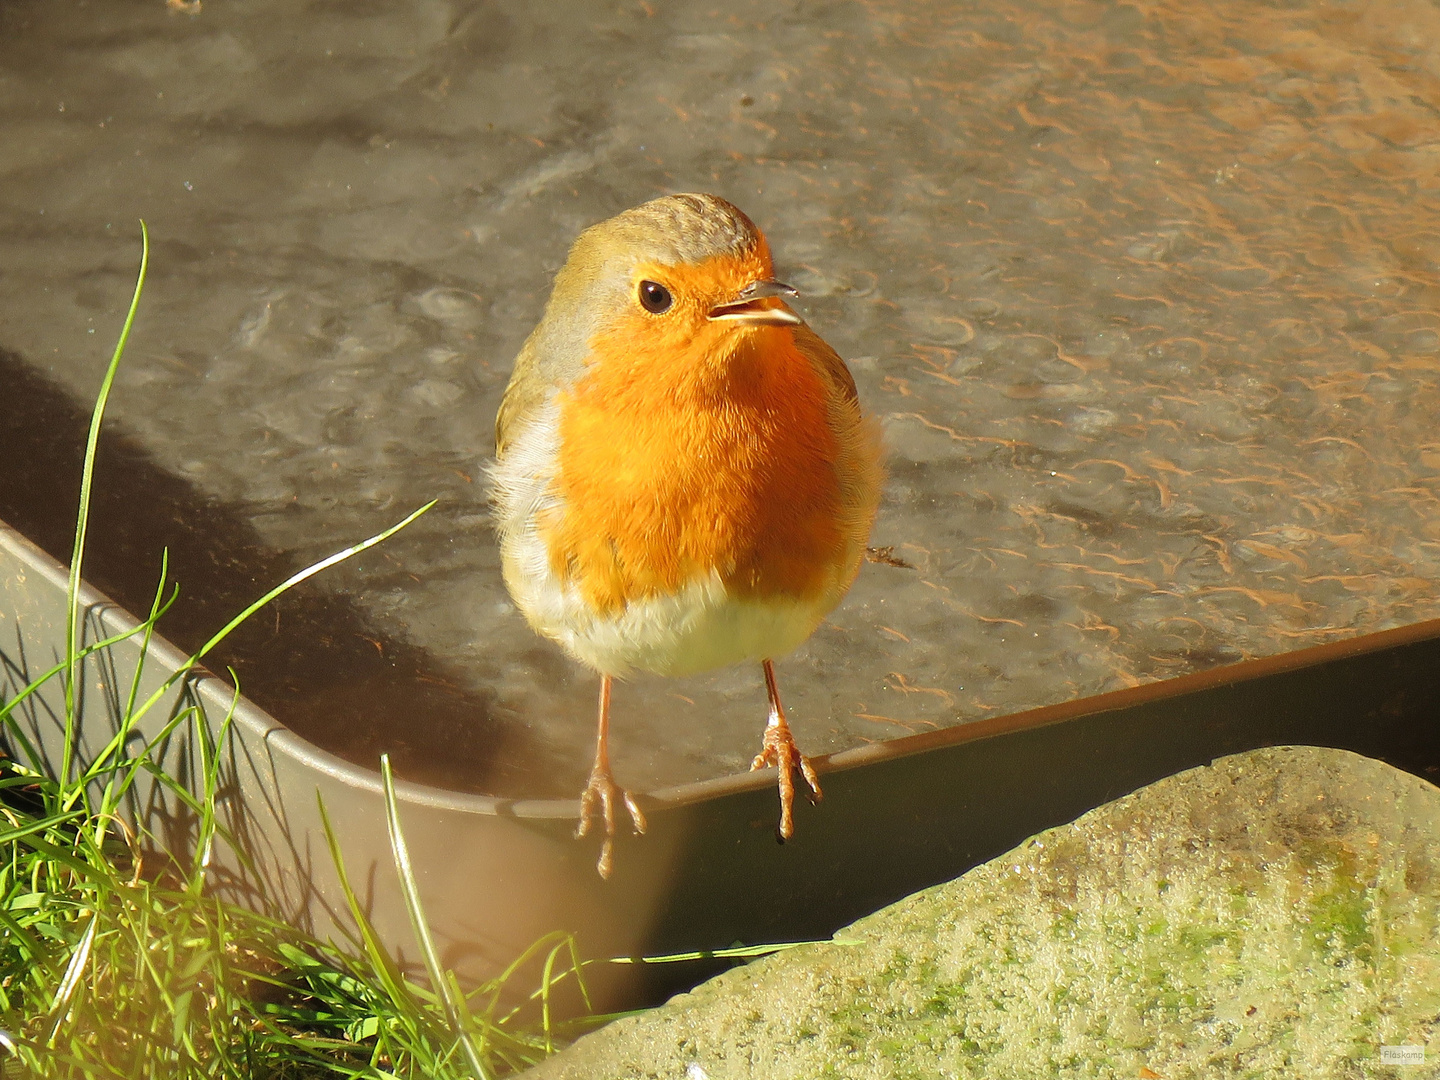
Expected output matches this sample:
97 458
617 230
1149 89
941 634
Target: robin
683 478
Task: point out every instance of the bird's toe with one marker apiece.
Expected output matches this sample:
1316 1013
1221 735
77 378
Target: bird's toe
597 803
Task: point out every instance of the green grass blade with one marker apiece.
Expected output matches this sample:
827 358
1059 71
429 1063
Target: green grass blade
454 1002
738 952
11 835
108 800
210 751
27 940
76 969
82 517
284 587
384 967
34 685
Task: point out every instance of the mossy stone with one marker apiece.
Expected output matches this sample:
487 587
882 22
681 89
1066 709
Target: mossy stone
1276 913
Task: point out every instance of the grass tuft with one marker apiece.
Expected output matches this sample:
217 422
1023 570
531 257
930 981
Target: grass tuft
115 960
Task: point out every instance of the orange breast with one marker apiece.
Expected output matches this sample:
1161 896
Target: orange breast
679 458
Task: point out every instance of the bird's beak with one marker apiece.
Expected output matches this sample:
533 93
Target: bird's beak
749 307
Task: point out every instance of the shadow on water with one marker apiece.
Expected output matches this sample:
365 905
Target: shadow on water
312 659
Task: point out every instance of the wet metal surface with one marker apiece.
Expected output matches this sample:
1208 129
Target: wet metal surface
1145 295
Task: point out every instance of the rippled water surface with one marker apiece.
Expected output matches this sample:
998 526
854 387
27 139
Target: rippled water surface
1144 293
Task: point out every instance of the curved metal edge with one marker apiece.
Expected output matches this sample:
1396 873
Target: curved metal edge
254 721
1061 712
1178 686
264 728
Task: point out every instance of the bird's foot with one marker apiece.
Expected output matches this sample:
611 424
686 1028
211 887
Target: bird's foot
779 749
598 801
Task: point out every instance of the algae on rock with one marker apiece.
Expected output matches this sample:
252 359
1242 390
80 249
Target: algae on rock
1276 913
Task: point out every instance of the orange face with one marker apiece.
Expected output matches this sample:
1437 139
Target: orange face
697 439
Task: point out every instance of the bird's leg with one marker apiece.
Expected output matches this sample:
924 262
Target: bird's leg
779 749
602 792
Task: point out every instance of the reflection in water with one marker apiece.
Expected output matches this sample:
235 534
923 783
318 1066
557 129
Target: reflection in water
1144 293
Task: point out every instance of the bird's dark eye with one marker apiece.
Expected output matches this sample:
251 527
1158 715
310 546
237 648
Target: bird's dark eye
654 297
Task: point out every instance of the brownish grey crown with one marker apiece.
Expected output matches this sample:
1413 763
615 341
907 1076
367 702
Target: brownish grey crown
676 229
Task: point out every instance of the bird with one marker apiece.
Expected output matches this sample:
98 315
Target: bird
683 477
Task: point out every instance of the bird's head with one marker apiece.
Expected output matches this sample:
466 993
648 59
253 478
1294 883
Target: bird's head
685 275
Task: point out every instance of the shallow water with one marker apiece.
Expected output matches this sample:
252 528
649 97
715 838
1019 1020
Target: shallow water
1144 295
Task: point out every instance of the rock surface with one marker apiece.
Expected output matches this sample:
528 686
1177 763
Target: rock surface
1276 913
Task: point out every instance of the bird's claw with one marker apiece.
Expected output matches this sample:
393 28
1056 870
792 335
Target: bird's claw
779 749
598 800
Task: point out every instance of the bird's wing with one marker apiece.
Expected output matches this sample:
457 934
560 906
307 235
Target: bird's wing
524 395
553 357
827 361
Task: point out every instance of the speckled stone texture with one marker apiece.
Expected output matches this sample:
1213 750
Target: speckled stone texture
1272 914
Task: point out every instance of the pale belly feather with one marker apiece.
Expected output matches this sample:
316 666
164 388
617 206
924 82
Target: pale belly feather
700 627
